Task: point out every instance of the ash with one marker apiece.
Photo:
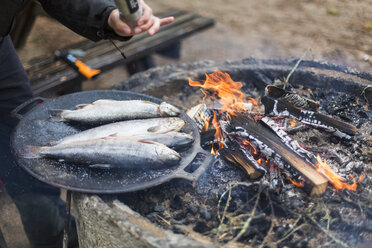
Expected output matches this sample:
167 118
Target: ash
226 207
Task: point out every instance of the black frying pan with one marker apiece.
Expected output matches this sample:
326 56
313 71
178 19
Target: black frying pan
35 128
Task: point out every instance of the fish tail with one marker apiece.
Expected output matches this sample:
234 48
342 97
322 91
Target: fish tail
32 151
56 114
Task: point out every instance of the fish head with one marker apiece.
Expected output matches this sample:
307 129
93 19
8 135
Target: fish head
171 157
167 125
182 139
167 109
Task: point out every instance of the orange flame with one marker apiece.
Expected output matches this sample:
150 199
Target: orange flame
213 152
297 184
219 86
254 102
247 143
206 121
335 179
218 135
223 89
361 178
293 123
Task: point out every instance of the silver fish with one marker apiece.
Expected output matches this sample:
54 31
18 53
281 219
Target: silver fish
174 140
110 152
106 110
127 128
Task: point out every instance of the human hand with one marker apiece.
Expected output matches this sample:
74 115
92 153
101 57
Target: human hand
146 23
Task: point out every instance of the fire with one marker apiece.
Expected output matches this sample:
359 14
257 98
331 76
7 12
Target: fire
206 121
247 143
254 102
213 151
293 123
297 184
219 86
223 89
218 135
335 179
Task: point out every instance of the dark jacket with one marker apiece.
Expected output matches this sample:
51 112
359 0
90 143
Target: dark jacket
86 17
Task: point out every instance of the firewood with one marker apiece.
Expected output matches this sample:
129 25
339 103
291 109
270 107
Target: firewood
315 119
275 149
237 155
200 114
292 98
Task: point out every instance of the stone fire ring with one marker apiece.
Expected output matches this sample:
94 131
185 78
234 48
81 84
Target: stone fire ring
110 223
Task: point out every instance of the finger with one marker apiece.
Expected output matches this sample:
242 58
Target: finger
117 24
138 30
146 14
166 20
148 24
155 27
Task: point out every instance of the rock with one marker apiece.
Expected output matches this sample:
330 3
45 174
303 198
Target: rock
176 203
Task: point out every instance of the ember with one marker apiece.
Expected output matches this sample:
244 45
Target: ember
335 179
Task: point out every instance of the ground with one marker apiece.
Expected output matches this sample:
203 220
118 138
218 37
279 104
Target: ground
337 31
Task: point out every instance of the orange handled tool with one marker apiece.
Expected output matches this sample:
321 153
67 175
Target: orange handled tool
78 65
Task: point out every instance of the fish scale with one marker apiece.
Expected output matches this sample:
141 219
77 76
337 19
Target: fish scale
105 110
112 152
127 128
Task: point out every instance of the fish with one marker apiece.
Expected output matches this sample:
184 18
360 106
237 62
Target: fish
173 140
105 110
126 128
109 152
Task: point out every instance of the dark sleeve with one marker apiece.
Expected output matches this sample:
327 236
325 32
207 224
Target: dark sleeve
85 17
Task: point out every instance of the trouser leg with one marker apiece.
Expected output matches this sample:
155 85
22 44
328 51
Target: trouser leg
43 219
39 204
41 209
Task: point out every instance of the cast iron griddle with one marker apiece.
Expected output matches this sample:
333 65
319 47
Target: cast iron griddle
36 129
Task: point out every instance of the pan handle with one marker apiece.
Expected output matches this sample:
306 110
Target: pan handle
22 109
193 176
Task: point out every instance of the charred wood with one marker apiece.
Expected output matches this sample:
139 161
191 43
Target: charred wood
200 114
298 128
325 152
292 98
292 144
237 155
207 138
276 179
276 150
327 123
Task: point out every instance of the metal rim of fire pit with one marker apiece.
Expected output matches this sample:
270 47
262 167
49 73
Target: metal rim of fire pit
259 72
36 129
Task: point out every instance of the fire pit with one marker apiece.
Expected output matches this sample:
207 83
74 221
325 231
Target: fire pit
226 206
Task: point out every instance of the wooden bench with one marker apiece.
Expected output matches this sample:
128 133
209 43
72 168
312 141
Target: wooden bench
49 76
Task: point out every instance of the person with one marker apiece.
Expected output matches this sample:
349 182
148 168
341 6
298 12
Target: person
41 209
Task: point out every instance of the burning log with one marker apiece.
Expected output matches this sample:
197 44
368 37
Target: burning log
292 144
237 155
201 115
292 98
245 136
275 149
281 108
276 180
